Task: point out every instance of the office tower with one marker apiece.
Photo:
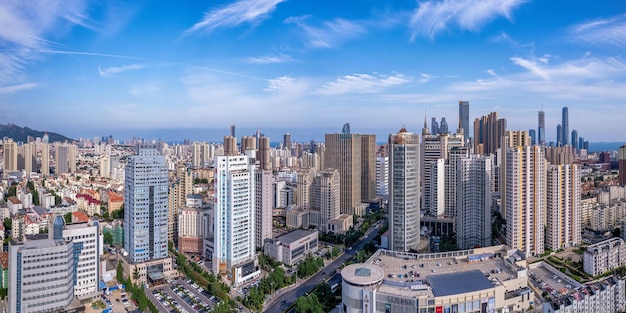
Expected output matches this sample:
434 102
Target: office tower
581 143
27 157
179 188
382 176
257 136
248 143
533 137
574 140
488 131
559 135
145 205
287 141
264 182
525 205
230 145
473 212
464 117
232 131
65 158
435 147
105 166
354 155
541 128
263 155
234 211
434 126
565 126
563 206
621 159
404 191
443 126
44 166
10 156
325 196
42 275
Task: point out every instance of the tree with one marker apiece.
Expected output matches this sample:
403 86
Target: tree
8 223
108 238
119 275
68 217
136 274
309 304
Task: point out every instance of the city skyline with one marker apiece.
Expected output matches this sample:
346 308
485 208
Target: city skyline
107 66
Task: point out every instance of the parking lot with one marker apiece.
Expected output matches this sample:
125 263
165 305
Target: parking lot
184 296
553 284
118 301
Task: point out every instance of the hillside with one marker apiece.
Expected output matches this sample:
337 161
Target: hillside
18 133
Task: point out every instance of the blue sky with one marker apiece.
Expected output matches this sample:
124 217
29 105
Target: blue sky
85 68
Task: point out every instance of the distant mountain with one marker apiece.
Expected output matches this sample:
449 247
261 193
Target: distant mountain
18 133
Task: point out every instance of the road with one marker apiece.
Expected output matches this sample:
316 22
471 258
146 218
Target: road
292 295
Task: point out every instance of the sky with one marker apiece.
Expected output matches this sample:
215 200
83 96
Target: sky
90 68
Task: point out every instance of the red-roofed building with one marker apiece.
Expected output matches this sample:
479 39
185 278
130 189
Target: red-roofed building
115 202
88 204
79 217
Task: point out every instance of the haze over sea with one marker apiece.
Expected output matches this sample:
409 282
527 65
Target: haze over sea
275 135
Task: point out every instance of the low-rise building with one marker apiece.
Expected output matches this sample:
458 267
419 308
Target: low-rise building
341 224
604 256
606 295
292 247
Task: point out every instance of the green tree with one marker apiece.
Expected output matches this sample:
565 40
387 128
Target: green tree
119 275
108 238
309 304
8 223
68 218
136 274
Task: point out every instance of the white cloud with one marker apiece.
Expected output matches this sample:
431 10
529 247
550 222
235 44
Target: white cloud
434 17
327 34
361 83
16 88
240 12
270 59
601 32
280 83
120 69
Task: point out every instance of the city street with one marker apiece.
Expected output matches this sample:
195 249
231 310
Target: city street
290 295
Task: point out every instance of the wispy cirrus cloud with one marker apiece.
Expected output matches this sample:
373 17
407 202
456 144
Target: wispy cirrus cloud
434 17
270 59
362 83
235 14
607 31
120 69
16 88
327 34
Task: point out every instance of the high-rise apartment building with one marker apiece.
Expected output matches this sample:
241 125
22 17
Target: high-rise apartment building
193 224
87 247
230 145
510 139
488 131
444 182
563 206
565 126
621 159
248 143
264 183
179 188
27 157
354 155
234 222
44 166
10 156
525 205
541 128
325 196
145 205
263 153
382 176
404 191
464 117
473 213
65 158
435 147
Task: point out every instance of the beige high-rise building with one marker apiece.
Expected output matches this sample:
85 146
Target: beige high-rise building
621 163
563 206
65 158
264 183
248 143
179 188
304 181
105 166
560 155
44 166
525 205
325 196
488 132
230 145
510 139
197 160
354 156
10 156
27 158
263 154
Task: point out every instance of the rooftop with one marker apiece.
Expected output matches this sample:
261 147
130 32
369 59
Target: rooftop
294 236
468 281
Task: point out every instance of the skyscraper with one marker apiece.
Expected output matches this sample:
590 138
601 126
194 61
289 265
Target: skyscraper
541 128
234 222
434 126
264 182
232 131
44 166
488 131
473 213
145 203
382 176
354 155
533 137
621 159
325 196
574 140
464 117
263 155
559 135
65 158
443 126
404 191
565 124
10 156
525 205
563 206
287 141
